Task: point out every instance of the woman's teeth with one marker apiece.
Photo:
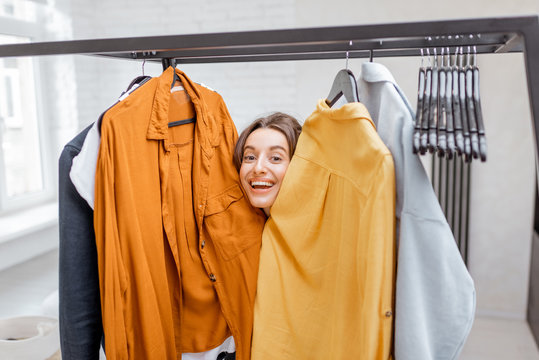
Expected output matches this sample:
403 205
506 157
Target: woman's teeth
261 184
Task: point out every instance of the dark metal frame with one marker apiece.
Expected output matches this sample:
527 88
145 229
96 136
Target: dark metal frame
490 35
399 39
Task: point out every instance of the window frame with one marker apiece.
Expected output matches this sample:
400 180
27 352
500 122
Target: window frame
34 32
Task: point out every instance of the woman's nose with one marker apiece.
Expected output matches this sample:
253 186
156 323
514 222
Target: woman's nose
260 166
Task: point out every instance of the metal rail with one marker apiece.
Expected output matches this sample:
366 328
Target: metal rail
490 35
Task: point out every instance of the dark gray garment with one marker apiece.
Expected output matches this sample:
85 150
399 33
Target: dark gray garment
81 329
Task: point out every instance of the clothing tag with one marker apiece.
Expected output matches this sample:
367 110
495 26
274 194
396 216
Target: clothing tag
177 88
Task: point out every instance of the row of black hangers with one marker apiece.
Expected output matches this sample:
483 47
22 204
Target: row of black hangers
449 121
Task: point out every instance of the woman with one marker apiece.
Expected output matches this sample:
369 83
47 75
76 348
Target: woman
326 270
262 154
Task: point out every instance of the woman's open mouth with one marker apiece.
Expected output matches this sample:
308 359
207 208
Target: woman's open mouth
261 184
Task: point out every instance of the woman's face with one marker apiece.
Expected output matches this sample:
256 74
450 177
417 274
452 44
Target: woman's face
265 159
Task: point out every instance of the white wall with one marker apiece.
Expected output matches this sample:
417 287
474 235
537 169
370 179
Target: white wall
248 89
502 188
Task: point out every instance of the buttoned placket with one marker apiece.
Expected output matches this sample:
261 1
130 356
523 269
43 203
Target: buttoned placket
202 155
168 221
200 178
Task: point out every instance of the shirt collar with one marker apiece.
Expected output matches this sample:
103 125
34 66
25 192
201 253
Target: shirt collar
347 111
158 125
375 72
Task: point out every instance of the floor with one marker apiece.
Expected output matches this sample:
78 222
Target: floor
23 289
500 339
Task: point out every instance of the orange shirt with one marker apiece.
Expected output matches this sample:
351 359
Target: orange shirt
141 258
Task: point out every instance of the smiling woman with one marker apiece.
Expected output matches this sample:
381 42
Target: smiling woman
263 152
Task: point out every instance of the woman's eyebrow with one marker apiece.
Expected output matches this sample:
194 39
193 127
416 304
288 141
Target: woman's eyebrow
274 147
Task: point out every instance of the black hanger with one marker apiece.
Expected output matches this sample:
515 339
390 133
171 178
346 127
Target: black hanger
175 78
433 111
478 113
449 108
166 62
423 143
472 121
419 109
343 84
457 118
442 118
463 109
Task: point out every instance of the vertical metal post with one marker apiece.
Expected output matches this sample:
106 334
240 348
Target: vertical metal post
458 203
443 183
434 175
465 214
531 56
449 193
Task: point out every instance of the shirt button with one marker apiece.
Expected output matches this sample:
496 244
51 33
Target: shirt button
212 278
389 313
203 244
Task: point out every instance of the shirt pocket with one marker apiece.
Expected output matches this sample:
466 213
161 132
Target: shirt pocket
231 223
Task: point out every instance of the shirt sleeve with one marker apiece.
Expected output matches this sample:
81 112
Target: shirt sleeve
112 274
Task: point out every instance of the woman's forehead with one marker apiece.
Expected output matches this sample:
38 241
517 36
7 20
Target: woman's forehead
266 138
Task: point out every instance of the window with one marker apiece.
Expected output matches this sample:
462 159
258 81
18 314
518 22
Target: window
21 161
22 10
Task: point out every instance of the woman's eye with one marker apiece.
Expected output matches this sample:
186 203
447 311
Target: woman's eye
276 158
248 158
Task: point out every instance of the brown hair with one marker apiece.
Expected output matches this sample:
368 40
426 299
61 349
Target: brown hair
279 121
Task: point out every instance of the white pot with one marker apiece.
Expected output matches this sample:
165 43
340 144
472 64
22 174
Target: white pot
35 338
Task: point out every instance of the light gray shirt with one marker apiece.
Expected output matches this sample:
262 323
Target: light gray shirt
435 295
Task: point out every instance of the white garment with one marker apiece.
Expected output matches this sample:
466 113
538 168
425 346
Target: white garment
435 295
82 171
82 175
228 345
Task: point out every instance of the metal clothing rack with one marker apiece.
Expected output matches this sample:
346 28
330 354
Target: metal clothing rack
489 35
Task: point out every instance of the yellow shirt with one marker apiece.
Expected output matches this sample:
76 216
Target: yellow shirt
327 263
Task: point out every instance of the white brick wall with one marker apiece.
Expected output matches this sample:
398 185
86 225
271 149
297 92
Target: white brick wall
248 89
